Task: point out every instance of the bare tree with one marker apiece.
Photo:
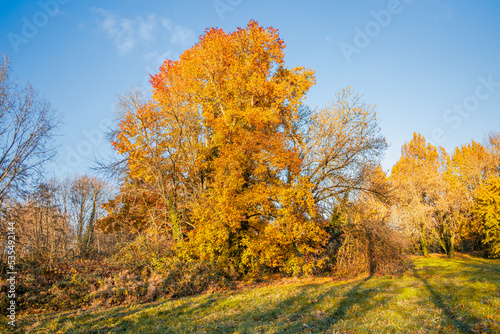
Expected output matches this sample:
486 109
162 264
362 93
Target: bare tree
85 197
27 126
342 147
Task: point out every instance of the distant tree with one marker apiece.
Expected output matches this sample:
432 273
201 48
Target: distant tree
415 179
493 145
468 168
436 193
42 230
27 127
85 196
488 208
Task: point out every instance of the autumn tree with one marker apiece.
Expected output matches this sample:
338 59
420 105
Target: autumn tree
487 206
447 216
493 145
416 180
153 176
468 168
217 149
363 237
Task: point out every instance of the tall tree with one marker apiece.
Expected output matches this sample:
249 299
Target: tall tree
468 168
217 146
85 197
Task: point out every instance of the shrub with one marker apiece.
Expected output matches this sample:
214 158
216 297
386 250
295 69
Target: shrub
367 247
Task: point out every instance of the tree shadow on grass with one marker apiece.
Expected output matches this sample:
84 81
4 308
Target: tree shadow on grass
318 314
183 309
438 300
118 313
351 298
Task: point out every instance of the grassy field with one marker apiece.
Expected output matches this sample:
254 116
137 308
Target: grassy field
439 295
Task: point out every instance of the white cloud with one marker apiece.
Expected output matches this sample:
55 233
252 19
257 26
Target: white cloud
148 27
127 33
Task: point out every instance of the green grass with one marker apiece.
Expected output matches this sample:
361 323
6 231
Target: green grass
440 295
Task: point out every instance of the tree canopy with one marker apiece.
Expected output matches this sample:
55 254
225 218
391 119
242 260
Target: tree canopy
227 160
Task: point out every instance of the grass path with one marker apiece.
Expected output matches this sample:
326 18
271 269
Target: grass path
439 295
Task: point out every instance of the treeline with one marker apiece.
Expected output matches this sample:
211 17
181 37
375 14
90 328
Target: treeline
48 228
58 219
225 174
448 201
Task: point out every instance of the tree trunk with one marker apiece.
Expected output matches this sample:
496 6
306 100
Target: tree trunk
423 240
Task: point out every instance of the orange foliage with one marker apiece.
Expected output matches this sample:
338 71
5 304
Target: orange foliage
216 145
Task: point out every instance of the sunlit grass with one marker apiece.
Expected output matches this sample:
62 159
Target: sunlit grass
440 295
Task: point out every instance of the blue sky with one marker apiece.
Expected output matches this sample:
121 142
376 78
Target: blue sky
431 66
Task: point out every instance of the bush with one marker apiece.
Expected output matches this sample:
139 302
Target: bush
368 247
